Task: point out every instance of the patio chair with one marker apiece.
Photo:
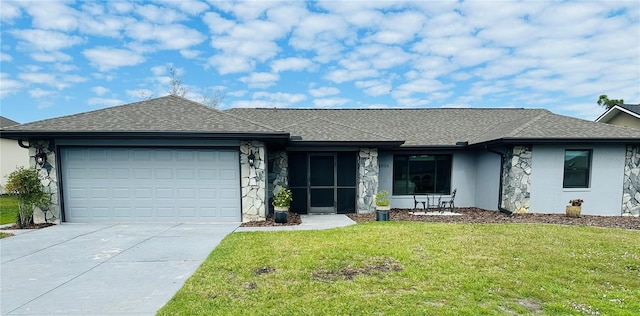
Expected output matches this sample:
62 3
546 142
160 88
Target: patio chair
448 204
415 202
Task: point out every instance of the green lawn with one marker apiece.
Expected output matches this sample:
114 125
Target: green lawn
8 209
411 268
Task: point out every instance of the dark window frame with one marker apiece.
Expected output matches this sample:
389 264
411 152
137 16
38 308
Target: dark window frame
570 170
402 174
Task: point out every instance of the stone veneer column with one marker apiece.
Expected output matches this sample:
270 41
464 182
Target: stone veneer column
631 183
278 174
368 171
516 179
253 181
49 179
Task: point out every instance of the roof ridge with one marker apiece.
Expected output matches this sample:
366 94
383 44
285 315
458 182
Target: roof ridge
229 114
357 129
529 123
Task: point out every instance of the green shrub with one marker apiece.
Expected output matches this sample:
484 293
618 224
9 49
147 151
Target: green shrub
25 184
282 198
382 198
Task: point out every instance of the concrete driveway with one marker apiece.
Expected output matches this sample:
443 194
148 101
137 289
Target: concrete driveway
95 269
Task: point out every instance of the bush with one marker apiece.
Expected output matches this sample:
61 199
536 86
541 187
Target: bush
382 198
282 198
25 184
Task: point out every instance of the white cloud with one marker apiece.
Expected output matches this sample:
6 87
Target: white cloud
50 57
8 86
157 14
100 90
46 40
237 93
226 64
104 102
189 6
324 92
291 64
106 58
5 57
330 102
255 104
374 87
175 36
52 15
41 93
280 97
38 78
260 79
190 53
8 12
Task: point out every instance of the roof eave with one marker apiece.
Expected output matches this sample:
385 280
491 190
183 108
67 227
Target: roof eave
17 135
373 144
567 140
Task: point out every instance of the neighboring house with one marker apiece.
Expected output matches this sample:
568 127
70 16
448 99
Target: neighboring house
623 115
171 159
12 156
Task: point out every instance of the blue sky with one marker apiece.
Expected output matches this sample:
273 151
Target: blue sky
64 57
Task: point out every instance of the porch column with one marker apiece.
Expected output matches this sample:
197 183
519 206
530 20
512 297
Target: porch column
368 171
49 179
253 181
631 183
516 177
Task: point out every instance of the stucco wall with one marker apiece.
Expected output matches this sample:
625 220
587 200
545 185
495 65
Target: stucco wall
624 119
12 156
603 197
487 180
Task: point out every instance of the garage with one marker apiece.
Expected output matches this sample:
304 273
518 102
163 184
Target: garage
111 184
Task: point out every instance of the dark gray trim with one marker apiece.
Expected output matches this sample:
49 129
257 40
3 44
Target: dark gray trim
130 134
366 144
526 141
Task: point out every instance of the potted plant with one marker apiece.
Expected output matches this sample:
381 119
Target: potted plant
281 203
382 205
575 208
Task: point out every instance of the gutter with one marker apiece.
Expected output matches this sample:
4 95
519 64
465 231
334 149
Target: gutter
500 208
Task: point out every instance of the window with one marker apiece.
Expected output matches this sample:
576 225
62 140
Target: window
421 174
577 165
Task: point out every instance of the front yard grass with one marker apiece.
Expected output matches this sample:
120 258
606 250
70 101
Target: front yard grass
410 268
8 209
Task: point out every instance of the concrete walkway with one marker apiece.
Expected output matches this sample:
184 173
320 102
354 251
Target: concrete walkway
101 269
309 222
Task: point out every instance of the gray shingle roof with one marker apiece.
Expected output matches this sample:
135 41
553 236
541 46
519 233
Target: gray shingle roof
166 114
635 108
5 122
435 127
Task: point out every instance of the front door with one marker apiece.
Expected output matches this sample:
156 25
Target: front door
322 183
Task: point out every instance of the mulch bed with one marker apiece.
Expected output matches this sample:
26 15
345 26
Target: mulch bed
294 219
480 216
32 226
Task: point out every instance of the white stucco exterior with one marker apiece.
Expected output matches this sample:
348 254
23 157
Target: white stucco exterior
12 156
603 197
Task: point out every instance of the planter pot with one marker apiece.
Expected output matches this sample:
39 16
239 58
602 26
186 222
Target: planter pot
382 213
281 214
382 216
573 211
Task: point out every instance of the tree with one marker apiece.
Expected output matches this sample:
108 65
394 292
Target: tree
177 88
603 100
212 98
25 184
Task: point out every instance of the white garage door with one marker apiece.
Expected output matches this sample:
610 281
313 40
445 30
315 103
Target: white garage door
150 185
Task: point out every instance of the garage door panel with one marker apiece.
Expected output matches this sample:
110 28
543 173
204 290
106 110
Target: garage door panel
150 184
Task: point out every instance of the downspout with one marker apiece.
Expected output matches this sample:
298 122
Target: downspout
500 208
22 145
